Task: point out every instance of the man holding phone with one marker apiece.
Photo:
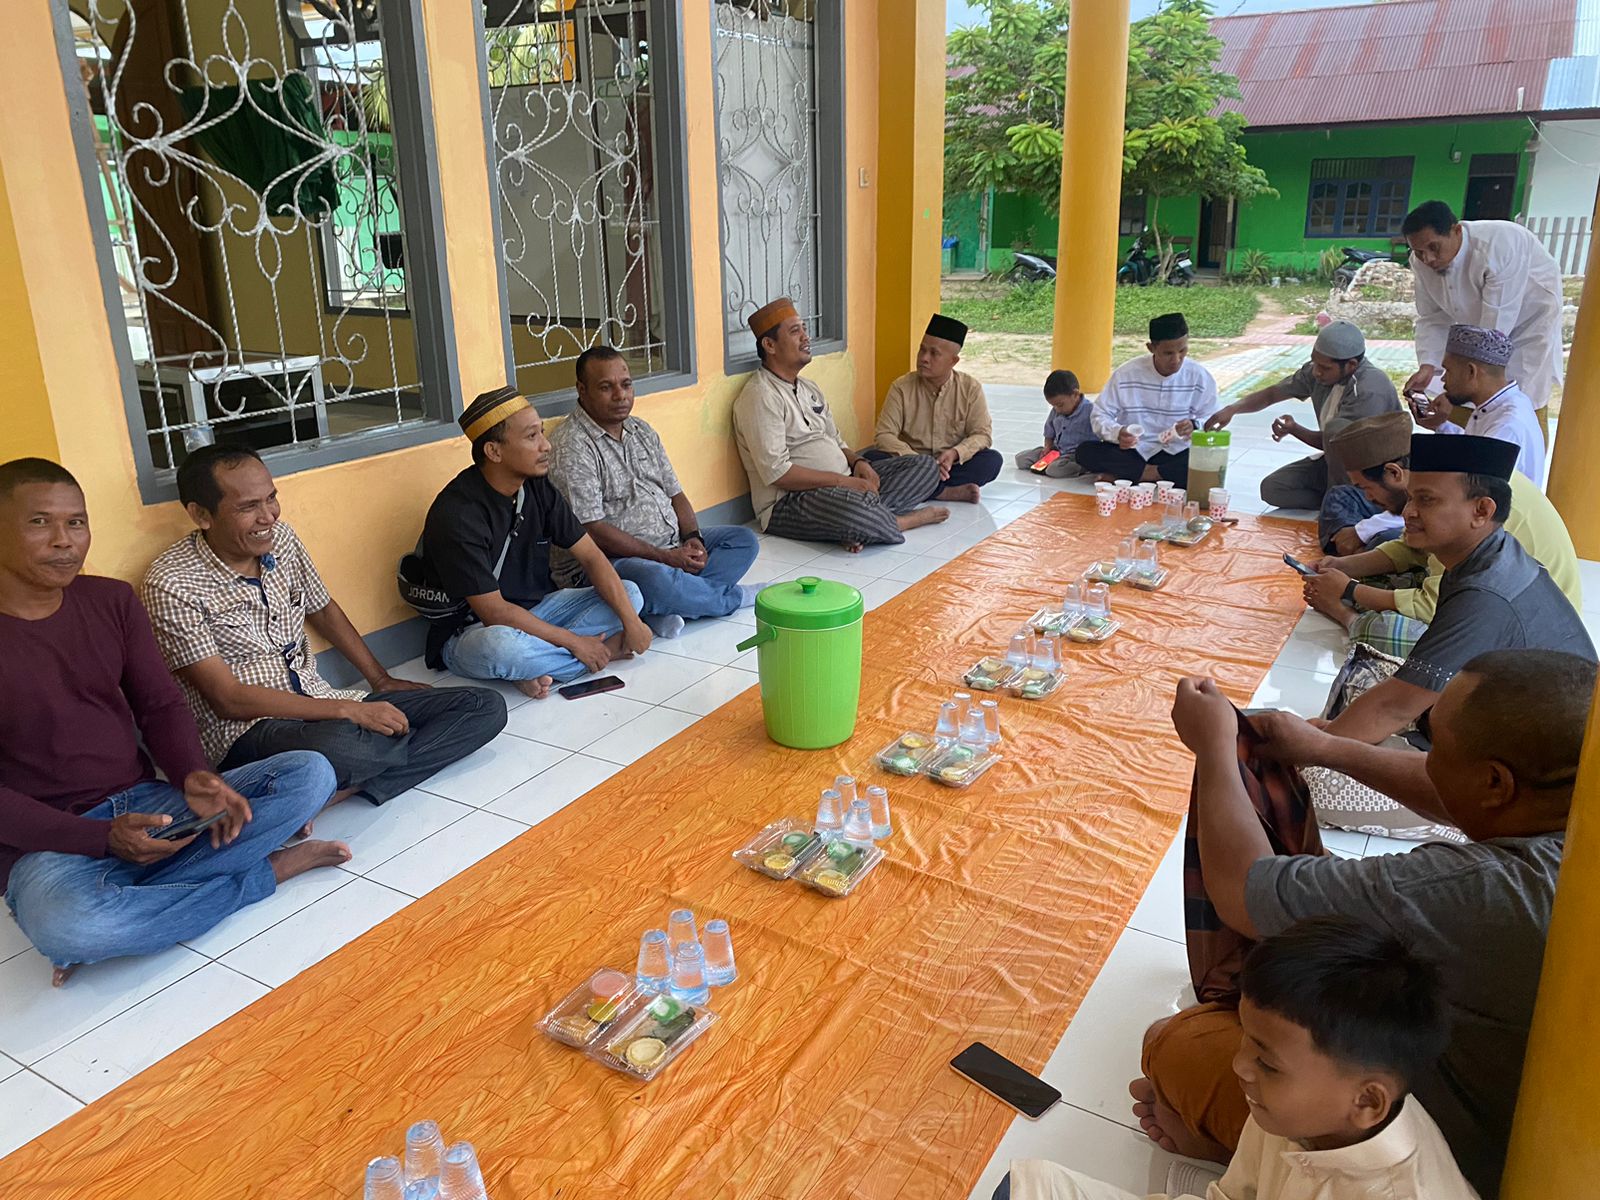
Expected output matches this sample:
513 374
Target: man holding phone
80 804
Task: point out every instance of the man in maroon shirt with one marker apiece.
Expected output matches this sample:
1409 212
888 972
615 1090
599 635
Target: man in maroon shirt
85 872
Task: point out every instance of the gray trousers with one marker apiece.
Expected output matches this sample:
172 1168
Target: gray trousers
1065 467
846 516
1301 484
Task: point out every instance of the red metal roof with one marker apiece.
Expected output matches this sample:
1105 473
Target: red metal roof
1407 60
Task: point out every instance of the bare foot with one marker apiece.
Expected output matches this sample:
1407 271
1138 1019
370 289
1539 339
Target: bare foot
853 547
1335 611
61 974
338 797
537 688
307 856
614 644
1163 1126
918 517
965 493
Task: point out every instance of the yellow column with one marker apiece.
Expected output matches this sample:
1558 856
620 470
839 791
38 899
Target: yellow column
28 430
1555 1147
1574 486
1091 189
911 66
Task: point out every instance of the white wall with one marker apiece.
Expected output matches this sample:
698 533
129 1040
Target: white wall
1566 170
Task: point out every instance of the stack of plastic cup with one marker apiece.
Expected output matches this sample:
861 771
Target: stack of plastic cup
991 720
1124 491
830 813
424 1151
1217 502
878 802
385 1180
720 967
654 972
1105 498
681 929
460 1177
689 974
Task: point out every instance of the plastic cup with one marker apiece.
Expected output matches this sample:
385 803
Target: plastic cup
460 1177
858 824
655 965
962 699
681 928
720 967
424 1151
1142 496
1135 431
423 1189
1191 511
1124 490
1172 511
830 815
1127 552
991 720
1163 487
1072 599
1182 494
1149 565
1097 600
386 1180
845 785
1017 652
946 730
1105 503
972 731
1045 655
689 974
1217 502
878 802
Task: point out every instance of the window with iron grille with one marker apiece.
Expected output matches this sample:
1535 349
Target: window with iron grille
1358 197
779 75
270 238
585 119
1131 216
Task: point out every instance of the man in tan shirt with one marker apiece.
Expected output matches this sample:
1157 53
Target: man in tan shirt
940 411
805 483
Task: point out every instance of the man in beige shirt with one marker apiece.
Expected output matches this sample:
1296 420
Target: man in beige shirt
805 483
940 411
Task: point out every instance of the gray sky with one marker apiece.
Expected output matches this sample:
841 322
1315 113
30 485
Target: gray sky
963 13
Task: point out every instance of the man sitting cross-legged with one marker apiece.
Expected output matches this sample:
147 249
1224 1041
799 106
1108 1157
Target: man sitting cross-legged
79 798
231 604
805 483
940 411
1397 585
615 474
1507 732
1149 408
486 545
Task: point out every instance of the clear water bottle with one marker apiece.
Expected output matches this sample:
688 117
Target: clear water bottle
845 785
655 967
945 732
830 814
878 802
689 974
858 824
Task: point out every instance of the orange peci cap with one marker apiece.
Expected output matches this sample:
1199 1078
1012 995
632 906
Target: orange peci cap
768 317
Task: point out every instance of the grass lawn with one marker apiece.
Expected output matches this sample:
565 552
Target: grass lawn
1214 312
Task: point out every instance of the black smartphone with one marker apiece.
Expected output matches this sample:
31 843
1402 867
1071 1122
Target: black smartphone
186 827
1005 1081
1298 565
590 687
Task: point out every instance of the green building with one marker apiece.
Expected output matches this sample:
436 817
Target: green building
1359 113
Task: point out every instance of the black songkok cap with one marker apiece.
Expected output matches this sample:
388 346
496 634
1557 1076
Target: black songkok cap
948 328
1168 327
1464 454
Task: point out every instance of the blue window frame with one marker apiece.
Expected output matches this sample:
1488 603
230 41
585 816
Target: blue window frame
1358 197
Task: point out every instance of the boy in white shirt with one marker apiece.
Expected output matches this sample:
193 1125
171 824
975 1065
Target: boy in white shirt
1338 1019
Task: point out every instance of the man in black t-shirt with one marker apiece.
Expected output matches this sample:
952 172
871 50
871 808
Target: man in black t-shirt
487 542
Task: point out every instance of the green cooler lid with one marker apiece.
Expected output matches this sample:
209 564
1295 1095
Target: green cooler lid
809 603
1211 437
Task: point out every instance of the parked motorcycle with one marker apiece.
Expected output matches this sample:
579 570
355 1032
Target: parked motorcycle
1141 268
1354 260
1031 267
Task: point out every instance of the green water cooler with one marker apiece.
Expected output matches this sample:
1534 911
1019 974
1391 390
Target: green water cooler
808 639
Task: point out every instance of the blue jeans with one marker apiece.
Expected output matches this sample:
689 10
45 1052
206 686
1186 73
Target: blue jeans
730 549
80 910
501 652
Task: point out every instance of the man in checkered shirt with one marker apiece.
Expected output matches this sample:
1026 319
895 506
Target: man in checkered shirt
231 603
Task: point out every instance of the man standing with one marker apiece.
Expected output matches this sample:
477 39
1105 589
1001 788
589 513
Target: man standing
1494 274
614 472
80 802
486 545
1475 374
1342 387
940 411
1149 408
805 483
231 604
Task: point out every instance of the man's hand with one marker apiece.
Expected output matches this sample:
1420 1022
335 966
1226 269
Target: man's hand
947 460
1347 542
1431 411
857 484
592 652
1291 739
1203 716
1327 586
698 555
1220 418
1184 427
1420 379
390 683
1126 440
636 636
129 841
207 793
377 716
1284 426
685 558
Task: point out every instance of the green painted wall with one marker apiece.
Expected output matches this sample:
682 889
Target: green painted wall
962 217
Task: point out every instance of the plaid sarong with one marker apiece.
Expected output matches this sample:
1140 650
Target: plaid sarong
1216 953
1388 631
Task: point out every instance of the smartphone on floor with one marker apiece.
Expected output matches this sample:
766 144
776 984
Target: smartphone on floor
1005 1081
590 687
1294 562
186 827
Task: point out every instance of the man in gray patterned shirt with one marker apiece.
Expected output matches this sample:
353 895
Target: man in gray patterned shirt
614 472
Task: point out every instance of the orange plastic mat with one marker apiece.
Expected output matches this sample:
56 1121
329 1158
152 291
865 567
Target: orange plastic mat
827 1075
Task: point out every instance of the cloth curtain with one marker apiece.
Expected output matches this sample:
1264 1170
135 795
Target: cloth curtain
250 143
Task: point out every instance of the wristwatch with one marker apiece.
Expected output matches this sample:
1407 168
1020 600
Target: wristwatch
1350 592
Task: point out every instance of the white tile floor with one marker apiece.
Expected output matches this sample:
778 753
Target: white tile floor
61 1049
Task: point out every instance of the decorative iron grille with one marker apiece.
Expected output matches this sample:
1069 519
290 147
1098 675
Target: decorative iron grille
582 178
766 65
248 174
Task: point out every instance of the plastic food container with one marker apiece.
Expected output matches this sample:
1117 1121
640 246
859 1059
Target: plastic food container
1094 629
1152 582
959 765
840 869
1192 533
907 753
596 1005
780 849
989 674
1036 683
1108 571
648 1039
1053 620
1152 531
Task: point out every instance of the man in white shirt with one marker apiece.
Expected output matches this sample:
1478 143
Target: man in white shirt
1149 408
1475 374
1493 274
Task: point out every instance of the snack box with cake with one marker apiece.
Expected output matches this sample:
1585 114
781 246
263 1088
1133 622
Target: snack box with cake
1035 683
586 1012
907 753
840 868
989 674
958 765
780 849
650 1037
